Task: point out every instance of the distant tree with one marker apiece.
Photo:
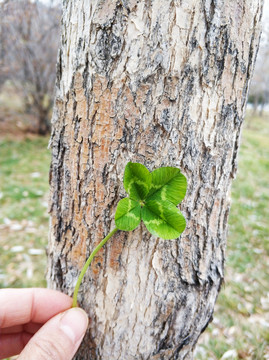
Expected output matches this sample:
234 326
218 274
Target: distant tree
259 89
258 99
3 45
29 42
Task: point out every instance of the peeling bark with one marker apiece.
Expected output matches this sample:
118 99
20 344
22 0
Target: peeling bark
163 83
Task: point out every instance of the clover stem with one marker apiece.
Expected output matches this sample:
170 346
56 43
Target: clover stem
87 264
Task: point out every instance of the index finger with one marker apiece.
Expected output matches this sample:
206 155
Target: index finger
20 306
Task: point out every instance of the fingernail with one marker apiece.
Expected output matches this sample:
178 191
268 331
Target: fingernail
74 324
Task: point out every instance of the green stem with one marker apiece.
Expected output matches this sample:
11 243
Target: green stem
87 264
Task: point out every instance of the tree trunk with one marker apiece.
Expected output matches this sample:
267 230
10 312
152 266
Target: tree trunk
255 105
163 83
43 120
262 105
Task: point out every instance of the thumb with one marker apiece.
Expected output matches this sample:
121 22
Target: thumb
59 338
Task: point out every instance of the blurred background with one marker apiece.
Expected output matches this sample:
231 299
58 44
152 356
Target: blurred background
29 36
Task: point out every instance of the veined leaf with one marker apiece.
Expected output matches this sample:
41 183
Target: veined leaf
137 181
163 219
128 214
168 184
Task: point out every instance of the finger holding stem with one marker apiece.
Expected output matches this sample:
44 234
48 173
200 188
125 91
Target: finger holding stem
87 264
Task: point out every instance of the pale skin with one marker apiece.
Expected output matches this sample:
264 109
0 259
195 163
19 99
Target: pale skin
39 324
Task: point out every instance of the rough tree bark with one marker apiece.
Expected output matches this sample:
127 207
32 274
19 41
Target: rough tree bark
160 83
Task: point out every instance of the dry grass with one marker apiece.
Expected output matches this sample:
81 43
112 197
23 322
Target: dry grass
24 166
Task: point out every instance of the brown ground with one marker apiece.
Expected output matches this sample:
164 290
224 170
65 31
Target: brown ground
15 124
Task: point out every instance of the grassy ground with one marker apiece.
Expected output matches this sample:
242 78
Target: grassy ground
240 329
24 168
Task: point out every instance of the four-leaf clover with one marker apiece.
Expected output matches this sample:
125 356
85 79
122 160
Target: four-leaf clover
153 197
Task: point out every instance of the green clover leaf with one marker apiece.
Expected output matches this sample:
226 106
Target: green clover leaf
163 219
137 181
168 184
128 214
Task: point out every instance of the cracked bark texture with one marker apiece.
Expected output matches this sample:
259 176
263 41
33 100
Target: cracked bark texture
163 83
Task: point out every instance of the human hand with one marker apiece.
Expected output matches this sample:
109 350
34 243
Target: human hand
39 324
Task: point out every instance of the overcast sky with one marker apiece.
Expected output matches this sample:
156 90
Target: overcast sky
266 10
